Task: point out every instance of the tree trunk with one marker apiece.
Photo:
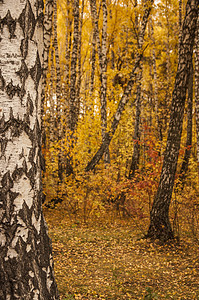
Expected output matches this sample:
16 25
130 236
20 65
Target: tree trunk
102 54
197 92
158 123
160 227
74 107
136 149
185 163
79 81
26 265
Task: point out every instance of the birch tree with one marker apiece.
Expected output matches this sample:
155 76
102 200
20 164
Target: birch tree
197 91
160 227
102 54
26 265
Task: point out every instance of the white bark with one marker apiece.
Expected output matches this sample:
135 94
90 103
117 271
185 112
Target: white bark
25 252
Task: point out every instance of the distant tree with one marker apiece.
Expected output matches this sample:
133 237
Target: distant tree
160 227
26 264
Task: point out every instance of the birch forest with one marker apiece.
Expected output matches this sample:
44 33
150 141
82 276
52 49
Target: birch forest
110 70
120 140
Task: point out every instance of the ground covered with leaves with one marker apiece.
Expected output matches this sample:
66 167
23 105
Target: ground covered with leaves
110 260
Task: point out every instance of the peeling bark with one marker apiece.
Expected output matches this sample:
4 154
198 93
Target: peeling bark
26 265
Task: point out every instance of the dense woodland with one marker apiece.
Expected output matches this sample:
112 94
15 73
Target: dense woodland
111 73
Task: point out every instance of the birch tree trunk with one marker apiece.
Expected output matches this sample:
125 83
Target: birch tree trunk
26 265
160 227
197 91
185 163
136 147
158 123
73 102
102 54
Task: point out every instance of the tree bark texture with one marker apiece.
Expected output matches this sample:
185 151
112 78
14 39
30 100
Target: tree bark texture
26 265
125 97
185 163
197 91
160 227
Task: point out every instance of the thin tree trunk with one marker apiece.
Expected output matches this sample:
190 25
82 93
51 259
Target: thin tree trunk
159 130
160 227
73 102
93 62
26 266
79 80
197 92
47 25
124 100
180 25
102 54
136 149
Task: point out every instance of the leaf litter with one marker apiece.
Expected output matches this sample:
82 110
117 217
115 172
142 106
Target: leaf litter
109 262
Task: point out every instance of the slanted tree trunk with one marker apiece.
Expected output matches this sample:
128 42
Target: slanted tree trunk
26 265
160 227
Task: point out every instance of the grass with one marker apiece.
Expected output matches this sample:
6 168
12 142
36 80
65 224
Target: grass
110 261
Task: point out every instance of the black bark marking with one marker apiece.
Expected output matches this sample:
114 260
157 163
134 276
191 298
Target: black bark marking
12 90
30 106
18 172
24 48
6 182
36 71
2 81
31 174
2 123
10 22
27 27
3 146
23 71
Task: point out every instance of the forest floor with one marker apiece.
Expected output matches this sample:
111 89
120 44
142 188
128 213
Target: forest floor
111 261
